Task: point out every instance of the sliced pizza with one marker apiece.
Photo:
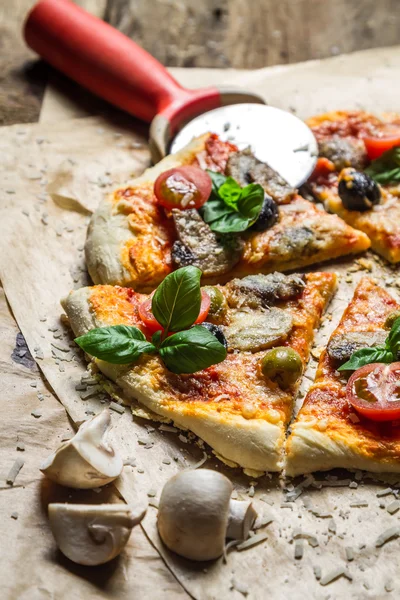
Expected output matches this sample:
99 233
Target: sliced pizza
242 405
137 236
355 149
353 423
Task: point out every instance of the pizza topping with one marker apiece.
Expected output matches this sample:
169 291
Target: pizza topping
231 208
92 534
217 331
268 216
259 330
197 513
384 138
218 304
282 365
245 168
358 191
386 168
391 318
343 345
176 305
387 352
257 291
183 187
151 323
343 152
374 391
196 243
323 169
293 242
87 460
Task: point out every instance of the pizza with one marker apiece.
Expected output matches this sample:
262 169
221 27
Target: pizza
241 406
352 146
134 240
364 432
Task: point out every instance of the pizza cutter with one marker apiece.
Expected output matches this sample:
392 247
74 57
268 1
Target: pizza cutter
112 66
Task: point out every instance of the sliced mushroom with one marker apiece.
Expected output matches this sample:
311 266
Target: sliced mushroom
246 168
257 291
343 345
293 242
199 246
258 330
196 514
87 460
343 152
92 534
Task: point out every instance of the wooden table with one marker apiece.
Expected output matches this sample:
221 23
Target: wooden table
203 33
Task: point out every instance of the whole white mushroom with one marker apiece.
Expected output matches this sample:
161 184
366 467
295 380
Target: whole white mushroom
85 461
92 534
196 514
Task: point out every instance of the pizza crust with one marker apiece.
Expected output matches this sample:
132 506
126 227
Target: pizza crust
250 443
310 450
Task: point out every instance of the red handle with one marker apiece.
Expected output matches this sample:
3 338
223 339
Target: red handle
110 64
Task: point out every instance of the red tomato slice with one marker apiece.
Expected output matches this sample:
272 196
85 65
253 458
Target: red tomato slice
183 187
323 167
153 325
374 391
385 139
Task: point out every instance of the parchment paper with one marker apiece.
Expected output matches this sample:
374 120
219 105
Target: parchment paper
49 262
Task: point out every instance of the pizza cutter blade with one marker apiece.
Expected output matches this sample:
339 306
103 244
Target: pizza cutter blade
112 66
275 136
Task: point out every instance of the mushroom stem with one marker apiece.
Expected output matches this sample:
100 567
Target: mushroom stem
241 517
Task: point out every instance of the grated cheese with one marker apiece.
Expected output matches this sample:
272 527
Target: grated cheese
15 469
389 534
256 539
335 574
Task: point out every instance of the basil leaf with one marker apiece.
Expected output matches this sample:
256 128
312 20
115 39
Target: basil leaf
176 302
118 344
231 222
213 210
156 338
386 168
366 356
217 180
393 339
230 192
232 209
251 201
192 350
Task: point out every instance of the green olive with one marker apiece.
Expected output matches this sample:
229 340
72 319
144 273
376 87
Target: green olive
218 304
391 318
282 365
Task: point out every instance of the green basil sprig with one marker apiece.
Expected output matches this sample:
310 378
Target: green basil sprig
386 168
230 207
176 306
191 350
387 353
117 344
176 302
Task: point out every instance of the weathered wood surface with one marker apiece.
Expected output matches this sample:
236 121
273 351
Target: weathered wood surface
204 33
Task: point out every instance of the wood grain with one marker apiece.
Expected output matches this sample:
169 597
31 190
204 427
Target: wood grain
203 33
256 33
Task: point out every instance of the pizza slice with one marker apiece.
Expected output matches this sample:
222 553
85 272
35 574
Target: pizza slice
242 405
135 238
339 424
350 147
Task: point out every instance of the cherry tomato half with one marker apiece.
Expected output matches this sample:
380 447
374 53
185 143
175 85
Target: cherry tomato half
374 391
385 139
153 325
183 187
